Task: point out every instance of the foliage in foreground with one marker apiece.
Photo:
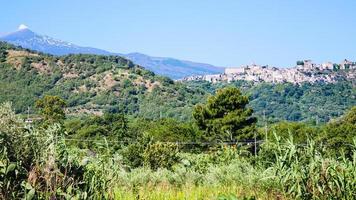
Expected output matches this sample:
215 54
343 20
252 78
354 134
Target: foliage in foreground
40 165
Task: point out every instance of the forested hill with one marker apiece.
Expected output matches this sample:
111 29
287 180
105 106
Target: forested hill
89 83
285 101
93 84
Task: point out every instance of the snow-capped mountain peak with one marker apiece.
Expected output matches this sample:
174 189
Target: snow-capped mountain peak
28 39
22 27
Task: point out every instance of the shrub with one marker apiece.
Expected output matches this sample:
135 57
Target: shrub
161 155
133 154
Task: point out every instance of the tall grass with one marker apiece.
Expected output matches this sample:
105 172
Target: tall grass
38 164
306 172
299 172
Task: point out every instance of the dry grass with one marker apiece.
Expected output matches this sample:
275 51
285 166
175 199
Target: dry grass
165 192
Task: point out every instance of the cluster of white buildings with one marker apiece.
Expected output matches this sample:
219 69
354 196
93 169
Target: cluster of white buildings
305 71
309 65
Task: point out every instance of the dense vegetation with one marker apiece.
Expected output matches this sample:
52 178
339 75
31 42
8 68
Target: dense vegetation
101 127
114 157
311 103
92 84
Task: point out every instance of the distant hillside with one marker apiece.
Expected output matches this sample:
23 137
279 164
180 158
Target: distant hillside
93 84
90 84
170 67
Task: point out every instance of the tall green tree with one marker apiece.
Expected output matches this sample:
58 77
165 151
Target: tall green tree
225 116
51 108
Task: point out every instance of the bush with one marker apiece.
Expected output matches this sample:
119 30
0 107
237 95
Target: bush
133 155
161 155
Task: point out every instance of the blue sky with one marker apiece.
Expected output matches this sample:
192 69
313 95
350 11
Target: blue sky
223 33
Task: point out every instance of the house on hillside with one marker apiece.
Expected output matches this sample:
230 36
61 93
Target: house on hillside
327 66
346 64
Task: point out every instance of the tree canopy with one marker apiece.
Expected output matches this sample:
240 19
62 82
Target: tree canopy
51 108
225 116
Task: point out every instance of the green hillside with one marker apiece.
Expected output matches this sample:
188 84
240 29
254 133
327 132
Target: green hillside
92 84
307 102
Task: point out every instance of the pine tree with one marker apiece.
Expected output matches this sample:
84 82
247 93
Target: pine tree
225 116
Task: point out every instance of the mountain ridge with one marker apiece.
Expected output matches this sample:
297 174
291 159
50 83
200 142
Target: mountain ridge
31 40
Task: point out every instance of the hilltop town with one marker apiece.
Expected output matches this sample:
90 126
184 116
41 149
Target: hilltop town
304 71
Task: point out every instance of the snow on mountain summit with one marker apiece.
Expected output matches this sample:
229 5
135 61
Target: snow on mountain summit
28 39
22 27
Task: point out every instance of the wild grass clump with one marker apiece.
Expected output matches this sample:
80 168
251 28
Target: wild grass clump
306 172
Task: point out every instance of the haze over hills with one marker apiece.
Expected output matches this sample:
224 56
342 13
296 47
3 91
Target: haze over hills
171 67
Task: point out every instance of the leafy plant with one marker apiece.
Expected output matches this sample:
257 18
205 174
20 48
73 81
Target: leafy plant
161 155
